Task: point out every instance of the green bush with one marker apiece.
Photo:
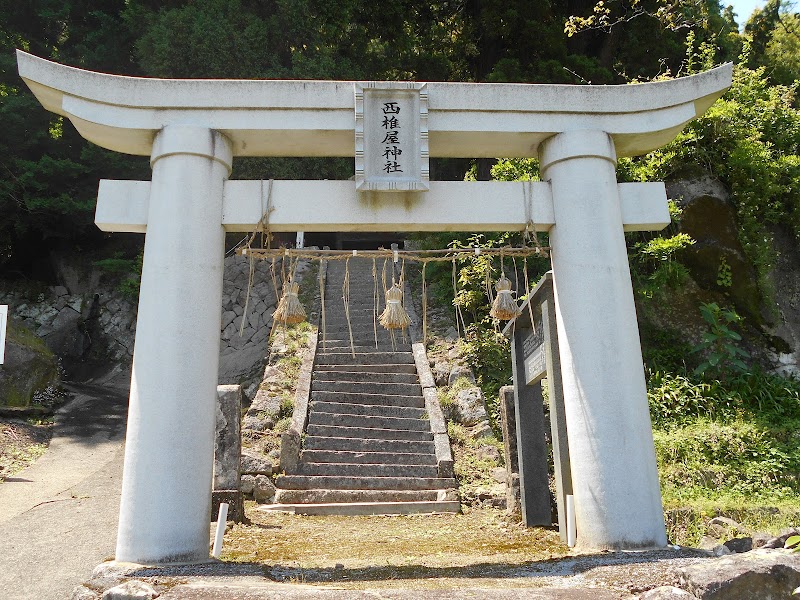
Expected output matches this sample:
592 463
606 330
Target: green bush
750 140
720 343
677 398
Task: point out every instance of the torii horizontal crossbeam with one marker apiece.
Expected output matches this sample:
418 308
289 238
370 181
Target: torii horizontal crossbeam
337 206
316 118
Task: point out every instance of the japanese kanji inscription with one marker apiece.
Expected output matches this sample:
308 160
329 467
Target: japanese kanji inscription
391 136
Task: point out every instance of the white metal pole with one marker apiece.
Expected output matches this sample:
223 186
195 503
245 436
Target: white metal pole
222 520
571 528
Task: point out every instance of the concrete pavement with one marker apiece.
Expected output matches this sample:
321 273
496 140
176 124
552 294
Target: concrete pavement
58 517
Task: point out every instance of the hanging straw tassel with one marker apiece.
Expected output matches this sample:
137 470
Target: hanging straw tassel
504 306
394 316
290 310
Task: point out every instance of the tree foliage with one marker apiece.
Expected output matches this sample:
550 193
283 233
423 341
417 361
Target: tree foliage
48 174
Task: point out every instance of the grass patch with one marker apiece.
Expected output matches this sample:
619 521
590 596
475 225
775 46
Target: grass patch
729 460
21 444
726 448
687 521
473 462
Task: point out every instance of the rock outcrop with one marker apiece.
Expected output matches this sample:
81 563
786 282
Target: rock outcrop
30 368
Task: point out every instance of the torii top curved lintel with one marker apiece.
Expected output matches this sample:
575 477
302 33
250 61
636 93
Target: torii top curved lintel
316 118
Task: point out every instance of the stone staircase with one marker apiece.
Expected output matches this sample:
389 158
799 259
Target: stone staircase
373 442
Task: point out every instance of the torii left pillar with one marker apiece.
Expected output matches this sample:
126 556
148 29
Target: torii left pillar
169 452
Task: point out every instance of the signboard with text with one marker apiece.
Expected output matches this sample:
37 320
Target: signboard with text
3 325
533 349
391 136
534 354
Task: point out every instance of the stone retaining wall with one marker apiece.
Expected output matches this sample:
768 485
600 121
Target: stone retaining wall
97 324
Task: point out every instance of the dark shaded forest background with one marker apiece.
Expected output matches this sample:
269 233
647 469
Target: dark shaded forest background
49 174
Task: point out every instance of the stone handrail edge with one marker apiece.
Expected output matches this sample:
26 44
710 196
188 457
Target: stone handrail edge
444 456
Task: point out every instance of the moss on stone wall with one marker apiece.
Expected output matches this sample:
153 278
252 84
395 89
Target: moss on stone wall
29 367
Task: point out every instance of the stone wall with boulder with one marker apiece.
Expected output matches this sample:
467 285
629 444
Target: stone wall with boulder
89 323
29 373
772 326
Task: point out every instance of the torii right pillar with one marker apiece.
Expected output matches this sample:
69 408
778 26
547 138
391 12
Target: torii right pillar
614 476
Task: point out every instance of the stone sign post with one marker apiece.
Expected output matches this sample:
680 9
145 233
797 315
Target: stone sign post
192 130
534 356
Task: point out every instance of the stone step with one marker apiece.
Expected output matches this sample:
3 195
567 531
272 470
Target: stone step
313 442
363 348
369 433
342 496
367 458
368 387
369 410
366 337
361 316
354 398
361 376
366 470
363 345
358 307
357 324
333 482
337 315
367 508
372 358
366 368
368 422
342 338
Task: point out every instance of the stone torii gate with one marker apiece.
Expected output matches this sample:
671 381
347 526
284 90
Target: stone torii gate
192 129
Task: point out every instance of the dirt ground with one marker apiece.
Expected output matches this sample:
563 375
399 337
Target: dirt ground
482 545
21 443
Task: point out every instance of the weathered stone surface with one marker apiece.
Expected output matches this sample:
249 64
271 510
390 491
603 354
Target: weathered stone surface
711 221
666 592
499 475
509 426
470 408
488 452
253 464
64 335
760 574
459 372
247 484
265 404
253 423
228 442
722 527
235 501
441 373
760 538
738 545
131 590
708 543
780 540
785 279
84 593
263 490
29 366
721 550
